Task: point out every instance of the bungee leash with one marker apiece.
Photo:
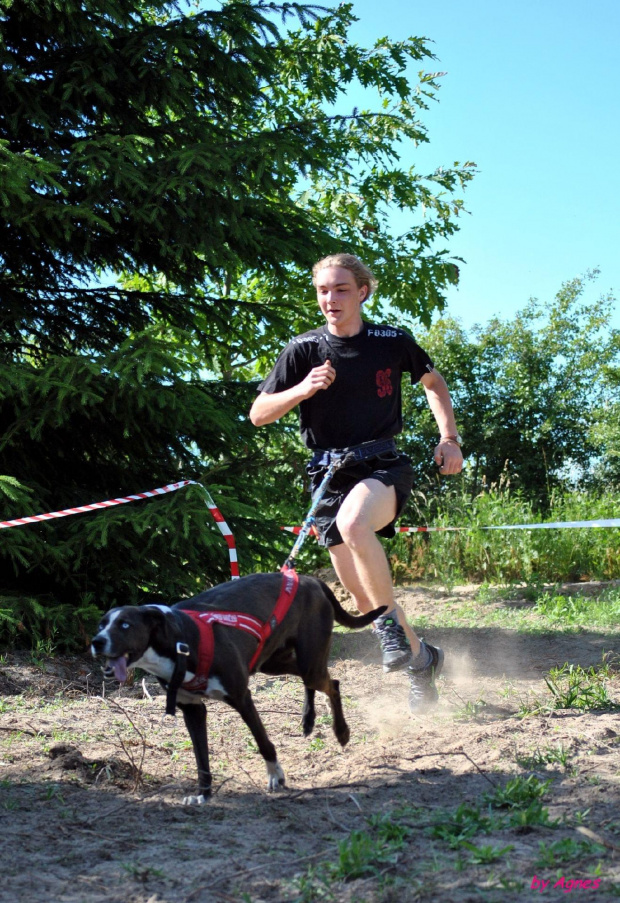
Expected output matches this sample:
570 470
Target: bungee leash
334 464
334 459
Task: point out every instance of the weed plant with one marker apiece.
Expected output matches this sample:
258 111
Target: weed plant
378 852
574 687
519 793
485 854
540 758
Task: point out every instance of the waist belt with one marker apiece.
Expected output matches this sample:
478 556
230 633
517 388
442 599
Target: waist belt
324 457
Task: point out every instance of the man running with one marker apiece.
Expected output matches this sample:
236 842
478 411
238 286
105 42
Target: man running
345 377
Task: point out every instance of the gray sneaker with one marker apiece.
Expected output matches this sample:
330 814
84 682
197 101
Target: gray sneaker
422 691
394 643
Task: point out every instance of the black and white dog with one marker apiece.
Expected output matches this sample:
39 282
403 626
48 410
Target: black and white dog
165 641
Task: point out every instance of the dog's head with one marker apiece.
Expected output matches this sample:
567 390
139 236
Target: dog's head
125 634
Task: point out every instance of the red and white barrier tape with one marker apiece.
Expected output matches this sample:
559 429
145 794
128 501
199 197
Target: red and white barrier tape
110 503
613 522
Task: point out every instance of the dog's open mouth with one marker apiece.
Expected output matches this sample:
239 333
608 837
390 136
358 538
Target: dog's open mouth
117 667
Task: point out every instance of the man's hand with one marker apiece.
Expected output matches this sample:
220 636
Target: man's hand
319 378
271 406
448 456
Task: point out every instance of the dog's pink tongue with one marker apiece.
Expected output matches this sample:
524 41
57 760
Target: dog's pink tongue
119 666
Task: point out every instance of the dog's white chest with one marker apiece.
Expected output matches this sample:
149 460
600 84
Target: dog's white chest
157 665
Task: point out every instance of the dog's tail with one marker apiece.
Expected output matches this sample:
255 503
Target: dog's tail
344 618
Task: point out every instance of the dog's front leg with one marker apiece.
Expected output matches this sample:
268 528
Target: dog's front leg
247 710
195 717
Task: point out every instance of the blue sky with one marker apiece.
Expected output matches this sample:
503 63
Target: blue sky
532 95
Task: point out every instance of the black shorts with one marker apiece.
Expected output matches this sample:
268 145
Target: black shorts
391 469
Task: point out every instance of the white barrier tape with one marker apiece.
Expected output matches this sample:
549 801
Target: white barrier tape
612 522
110 503
555 525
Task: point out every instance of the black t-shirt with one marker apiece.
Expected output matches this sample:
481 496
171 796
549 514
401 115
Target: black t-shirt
364 401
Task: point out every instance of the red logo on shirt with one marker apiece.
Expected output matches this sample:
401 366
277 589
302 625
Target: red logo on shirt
383 383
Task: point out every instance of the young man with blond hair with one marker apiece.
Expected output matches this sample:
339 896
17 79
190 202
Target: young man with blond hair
345 377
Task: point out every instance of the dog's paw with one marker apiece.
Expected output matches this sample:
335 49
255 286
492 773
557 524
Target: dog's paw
307 724
275 776
199 800
344 736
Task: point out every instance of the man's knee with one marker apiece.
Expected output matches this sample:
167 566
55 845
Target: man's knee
354 528
368 508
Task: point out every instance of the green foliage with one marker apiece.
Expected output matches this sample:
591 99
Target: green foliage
581 611
207 157
527 394
465 822
550 755
46 625
560 852
361 855
522 800
522 797
483 855
605 431
473 553
574 687
124 423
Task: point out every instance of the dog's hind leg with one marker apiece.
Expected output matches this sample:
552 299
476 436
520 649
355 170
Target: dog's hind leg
309 713
247 710
195 717
331 688
312 656
341 728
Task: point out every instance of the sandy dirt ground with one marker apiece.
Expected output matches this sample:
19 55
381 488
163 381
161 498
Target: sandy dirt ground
413 809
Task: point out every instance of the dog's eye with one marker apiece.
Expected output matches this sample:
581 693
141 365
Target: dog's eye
125 625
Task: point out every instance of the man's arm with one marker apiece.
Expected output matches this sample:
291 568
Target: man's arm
447 453
270 407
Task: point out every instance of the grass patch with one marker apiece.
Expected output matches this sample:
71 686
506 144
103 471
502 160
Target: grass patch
579 611
586 689
530 609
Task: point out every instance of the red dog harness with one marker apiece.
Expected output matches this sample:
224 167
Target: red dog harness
261 630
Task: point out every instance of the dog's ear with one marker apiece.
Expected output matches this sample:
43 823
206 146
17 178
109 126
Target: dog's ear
156 613
160 619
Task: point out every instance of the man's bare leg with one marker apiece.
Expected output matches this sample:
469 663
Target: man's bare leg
360 561
363 569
